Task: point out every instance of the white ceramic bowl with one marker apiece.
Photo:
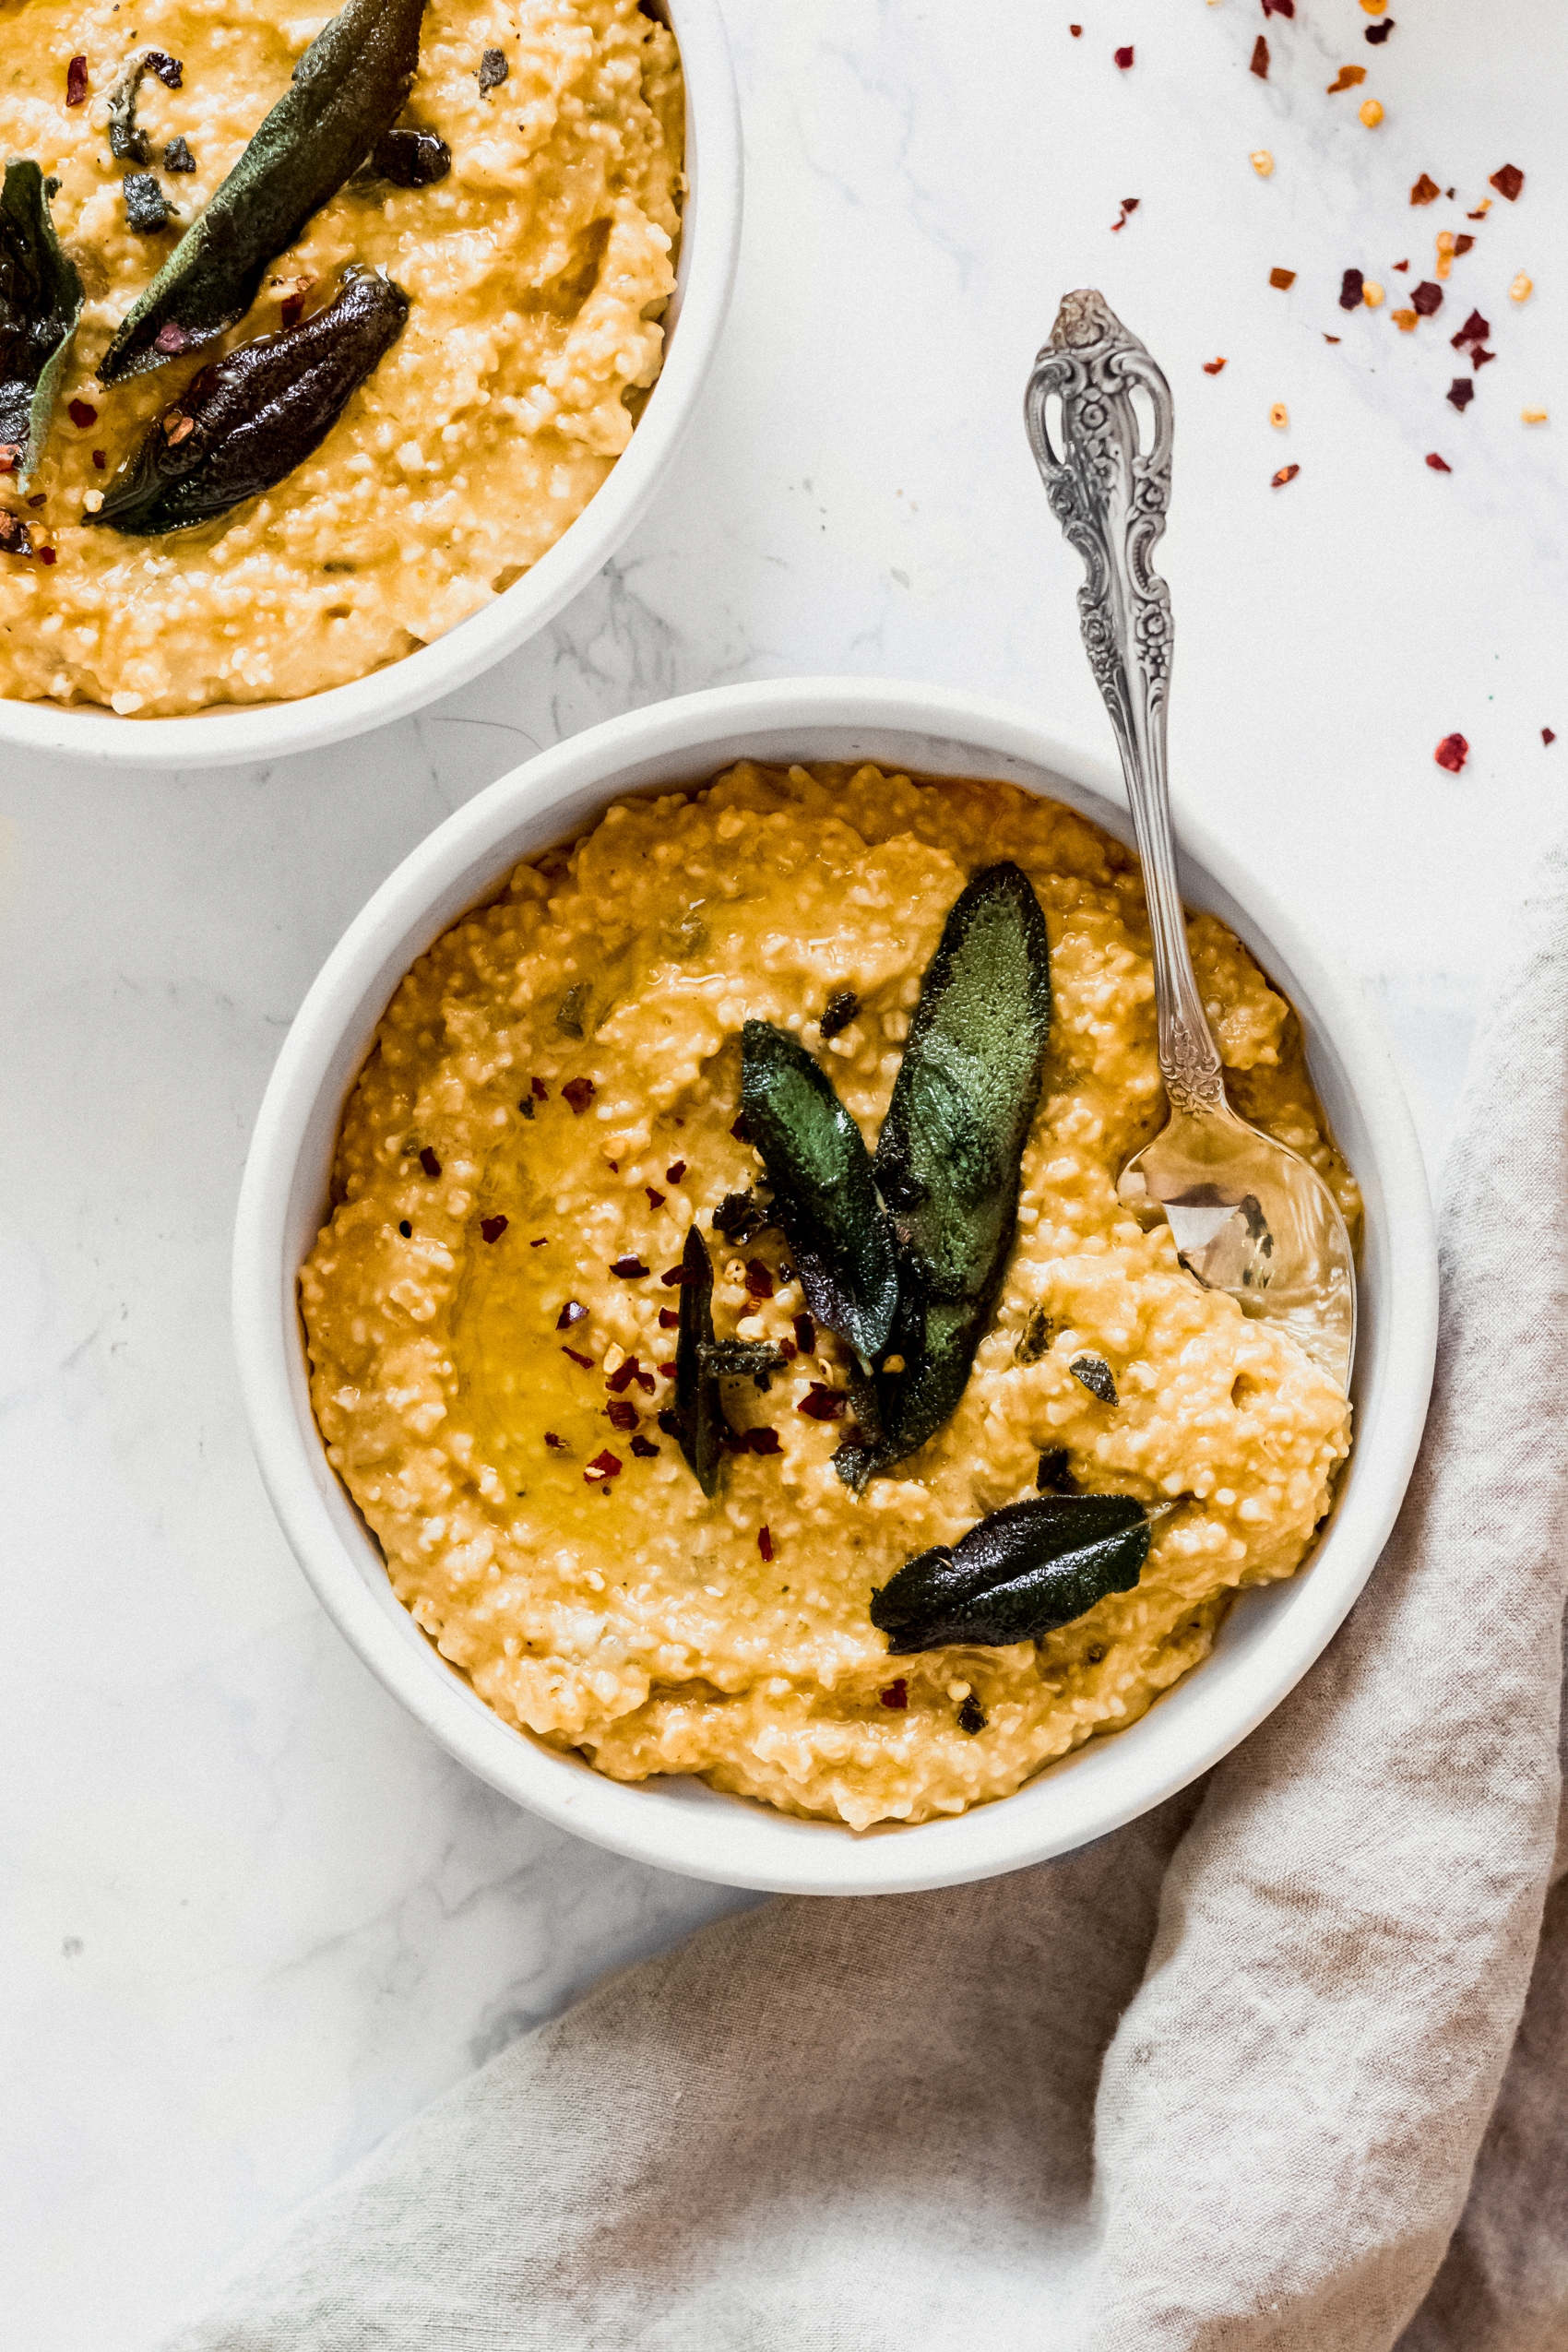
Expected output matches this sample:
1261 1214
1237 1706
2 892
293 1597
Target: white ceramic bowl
706 270
1271 1636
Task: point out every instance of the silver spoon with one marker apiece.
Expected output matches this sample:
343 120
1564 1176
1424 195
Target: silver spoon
1249 1216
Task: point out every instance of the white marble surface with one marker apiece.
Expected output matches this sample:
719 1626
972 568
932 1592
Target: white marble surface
254 1917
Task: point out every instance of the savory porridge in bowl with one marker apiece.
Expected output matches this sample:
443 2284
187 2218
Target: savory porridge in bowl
726 1319
319 331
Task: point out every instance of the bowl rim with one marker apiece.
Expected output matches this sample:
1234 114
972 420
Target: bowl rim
684 1826
227 735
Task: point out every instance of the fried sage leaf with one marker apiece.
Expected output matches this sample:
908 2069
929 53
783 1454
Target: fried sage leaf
947 1160
347 89
753 1360
250 418
40 301
1017 1575
698 1413
825 1195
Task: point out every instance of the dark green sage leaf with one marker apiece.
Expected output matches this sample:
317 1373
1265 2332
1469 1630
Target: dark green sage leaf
250 418
146 211
739 1216
572 1011
699 1419
1095 1375
347 89
824 1191
1017 1575
947 1160
410 157
127 141
41 301
742 1359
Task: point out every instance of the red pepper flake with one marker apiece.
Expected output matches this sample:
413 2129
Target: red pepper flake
429 1162
1378 34
765 1440
1401 265
1507 182
614 1168
1213 367
579 1093
172 338
643 1449
763 1538
789 1351
623 1414
1129 205
1481 358
759 1281
1283 279
673 1278
1452 753
670 1422
39 498
1331 338
1286 473
896 1696
1077 31
1350 289
1426 190
573 1312
1278 7
655 1200
739 1130
292 305
75 81
82 412
629 1269
100 459
493 1228
1474 330
669 1319
558 1443
585 1361
821 1404
603 1465
805 1335
1461 392
1124 57
1462 243
1348 78
46 555
1438 465
542 1242
538 1090
1426 299
1549 735
623 1376
675 1171
1260 59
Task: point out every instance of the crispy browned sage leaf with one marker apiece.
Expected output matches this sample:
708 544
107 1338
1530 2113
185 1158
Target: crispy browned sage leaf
948 1158
247 419
1019 1574
825 1195
347 89
40 301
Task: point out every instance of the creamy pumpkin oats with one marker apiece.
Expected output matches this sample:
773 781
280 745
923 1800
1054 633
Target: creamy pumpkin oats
538 272
491 1333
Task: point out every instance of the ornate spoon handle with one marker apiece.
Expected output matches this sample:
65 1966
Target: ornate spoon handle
1111 498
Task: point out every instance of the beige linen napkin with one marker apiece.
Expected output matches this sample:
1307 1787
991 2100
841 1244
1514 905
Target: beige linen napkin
1284 2064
